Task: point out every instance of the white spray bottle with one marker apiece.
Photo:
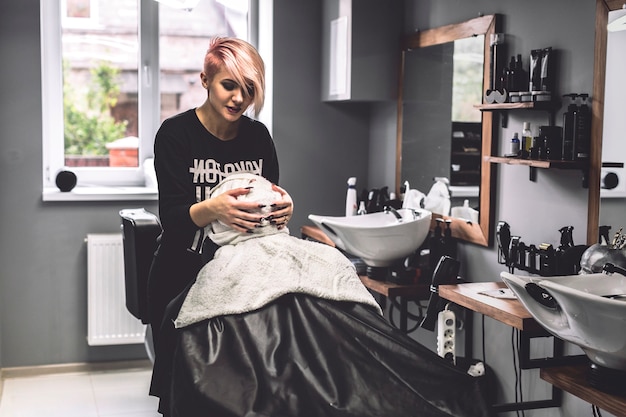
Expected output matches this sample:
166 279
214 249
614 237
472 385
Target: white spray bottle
351 197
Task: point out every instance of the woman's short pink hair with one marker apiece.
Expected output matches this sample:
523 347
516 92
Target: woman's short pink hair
243 61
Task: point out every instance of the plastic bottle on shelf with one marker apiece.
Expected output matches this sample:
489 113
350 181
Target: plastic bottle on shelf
351 207
511 76
567 151
527 137
515 145
582 130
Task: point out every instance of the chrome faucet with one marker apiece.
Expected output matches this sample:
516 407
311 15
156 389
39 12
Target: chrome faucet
389 209
610 268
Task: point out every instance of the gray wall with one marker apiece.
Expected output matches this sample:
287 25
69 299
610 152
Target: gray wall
320 145
43 257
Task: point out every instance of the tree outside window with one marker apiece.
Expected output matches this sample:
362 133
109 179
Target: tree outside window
101 71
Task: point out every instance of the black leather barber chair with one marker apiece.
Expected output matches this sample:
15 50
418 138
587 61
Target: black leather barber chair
140 230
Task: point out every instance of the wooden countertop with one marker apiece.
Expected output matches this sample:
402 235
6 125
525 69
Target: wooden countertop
390 289
573 379
316 233
510 312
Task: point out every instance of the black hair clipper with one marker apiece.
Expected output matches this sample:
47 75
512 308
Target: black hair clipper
503 236
446 272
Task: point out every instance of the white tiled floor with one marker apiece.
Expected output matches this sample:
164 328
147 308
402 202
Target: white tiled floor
113 393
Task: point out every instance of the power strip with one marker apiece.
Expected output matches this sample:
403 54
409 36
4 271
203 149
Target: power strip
446 335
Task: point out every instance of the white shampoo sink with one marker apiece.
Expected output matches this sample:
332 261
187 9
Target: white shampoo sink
588 310
381 238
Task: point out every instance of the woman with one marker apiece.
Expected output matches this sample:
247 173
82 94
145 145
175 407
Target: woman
193 152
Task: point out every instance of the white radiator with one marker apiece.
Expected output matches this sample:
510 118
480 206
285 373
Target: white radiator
109 322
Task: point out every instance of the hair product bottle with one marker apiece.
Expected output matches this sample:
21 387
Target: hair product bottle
582 130
527 137
535 70
515 145
567 150
521 75
351 197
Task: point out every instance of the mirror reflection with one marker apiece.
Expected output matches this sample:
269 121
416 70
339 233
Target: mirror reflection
613 187
441 133
442 127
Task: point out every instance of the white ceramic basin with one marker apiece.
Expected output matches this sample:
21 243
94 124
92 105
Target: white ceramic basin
588 310
378 238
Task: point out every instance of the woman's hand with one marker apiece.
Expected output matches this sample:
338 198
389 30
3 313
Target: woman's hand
282 210
242 216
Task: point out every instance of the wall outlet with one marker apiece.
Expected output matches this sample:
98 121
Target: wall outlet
446 335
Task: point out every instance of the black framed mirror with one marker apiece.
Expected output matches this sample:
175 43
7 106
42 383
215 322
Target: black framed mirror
425 94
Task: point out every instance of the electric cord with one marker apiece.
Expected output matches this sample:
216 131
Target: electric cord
521 392
596 411
483 338
515 344
515 367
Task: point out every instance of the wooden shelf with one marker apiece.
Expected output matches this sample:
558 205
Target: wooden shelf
390 289
502 108
535 163
573 379
529 105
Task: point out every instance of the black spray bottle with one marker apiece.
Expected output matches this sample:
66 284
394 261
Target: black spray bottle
567 149
582 129
576 128
521 75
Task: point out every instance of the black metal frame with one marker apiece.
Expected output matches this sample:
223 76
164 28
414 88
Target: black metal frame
526 362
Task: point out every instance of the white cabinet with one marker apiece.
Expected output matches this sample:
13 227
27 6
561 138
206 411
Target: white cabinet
361 50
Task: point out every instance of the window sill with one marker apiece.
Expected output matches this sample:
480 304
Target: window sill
101 194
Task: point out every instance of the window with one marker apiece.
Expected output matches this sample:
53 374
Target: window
113 70
468 67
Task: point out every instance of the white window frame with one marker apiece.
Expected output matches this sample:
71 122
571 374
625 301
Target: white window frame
52 100
121 183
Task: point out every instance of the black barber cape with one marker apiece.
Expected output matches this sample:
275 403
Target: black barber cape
303 356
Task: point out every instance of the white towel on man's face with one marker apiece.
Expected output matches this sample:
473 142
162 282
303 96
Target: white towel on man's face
261 192
252 270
